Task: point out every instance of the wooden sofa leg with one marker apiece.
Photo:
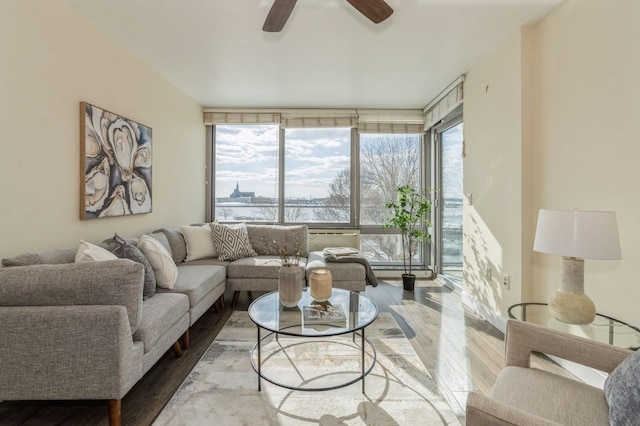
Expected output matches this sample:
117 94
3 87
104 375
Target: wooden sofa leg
177 349
216 306
185 340
234 302
115 410
221 299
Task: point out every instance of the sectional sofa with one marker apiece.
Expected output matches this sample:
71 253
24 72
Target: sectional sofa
91 329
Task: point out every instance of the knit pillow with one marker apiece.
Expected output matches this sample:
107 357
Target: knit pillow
623 393
122 249
232 241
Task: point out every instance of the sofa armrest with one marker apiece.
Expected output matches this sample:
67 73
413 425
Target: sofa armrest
484 411
523 338
67 352
111 282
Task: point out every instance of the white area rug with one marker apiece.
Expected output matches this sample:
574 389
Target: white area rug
222 388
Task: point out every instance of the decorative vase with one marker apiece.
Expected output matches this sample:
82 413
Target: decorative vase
320 282
290 285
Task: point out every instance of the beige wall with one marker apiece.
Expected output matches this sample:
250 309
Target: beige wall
53 58
573 104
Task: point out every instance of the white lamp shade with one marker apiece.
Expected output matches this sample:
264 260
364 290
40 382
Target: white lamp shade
578 233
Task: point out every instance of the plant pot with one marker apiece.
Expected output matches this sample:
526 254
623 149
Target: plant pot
290 285
408 281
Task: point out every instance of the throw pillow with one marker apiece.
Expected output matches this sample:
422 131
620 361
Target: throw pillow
164 268
232 241
124 250
199 241
88 252
623 393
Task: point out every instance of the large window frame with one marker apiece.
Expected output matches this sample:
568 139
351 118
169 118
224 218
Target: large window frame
425 179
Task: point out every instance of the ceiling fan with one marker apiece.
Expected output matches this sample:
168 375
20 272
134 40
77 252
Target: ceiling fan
376 10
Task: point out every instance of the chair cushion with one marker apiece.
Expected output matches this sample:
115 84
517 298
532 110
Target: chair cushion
622 391
339 271
550 396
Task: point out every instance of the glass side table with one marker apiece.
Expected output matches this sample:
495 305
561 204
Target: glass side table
603 329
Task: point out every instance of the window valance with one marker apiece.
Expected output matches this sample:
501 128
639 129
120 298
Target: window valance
230 116
443 104
295 119
390 121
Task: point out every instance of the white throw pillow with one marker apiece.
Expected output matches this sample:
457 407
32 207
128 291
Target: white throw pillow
199 241
164 268
88 252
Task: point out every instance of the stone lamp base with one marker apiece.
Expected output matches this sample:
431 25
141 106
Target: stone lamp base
569 303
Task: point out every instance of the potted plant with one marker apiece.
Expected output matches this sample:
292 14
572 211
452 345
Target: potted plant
409 213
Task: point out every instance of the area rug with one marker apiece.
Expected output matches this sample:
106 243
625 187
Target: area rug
222 388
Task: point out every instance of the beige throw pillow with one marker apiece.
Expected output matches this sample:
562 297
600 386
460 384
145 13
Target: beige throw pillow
199 241
164 268
88 252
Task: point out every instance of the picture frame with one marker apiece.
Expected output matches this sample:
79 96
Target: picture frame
116 164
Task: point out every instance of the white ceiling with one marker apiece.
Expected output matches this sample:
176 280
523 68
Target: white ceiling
328 55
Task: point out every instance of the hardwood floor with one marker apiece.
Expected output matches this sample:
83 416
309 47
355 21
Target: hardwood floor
461 351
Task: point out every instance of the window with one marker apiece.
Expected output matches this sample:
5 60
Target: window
452 193
314 167
387 161
317 178
246 173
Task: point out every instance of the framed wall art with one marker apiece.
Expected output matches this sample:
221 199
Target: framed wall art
115 156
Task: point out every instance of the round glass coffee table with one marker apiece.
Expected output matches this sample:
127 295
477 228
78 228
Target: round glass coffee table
345 312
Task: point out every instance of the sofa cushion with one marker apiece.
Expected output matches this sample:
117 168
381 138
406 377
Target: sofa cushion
199 240
257 267
124 250
176 242
88 252
339 271
160 312
559 399
622 391
232 241
112 282
270 239
196 281
164 268
44 257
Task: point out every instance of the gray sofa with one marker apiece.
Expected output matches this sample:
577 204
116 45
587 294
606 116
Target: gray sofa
84 331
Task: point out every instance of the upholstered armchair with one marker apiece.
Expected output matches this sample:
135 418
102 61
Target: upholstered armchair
528 396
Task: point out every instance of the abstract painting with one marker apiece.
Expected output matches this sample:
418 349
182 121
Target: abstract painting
115 164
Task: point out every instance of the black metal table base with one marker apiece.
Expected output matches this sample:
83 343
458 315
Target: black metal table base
365 370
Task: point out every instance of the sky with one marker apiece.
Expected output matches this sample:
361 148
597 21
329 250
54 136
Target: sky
248 155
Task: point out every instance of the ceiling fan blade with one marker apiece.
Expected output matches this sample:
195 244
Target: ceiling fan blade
376 10
278 15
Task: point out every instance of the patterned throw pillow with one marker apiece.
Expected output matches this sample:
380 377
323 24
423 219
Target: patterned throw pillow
124 250
622 392
232 241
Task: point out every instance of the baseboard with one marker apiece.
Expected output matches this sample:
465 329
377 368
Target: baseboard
495 319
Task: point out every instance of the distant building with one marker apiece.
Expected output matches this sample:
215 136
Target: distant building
237 194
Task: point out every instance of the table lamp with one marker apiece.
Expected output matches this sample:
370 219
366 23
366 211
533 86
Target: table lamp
576 235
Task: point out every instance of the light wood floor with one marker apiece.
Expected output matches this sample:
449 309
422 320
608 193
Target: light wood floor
461 351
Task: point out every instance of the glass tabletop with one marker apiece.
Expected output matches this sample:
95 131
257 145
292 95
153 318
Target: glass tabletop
603 329
348 311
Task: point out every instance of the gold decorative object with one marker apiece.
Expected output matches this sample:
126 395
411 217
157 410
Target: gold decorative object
320 284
